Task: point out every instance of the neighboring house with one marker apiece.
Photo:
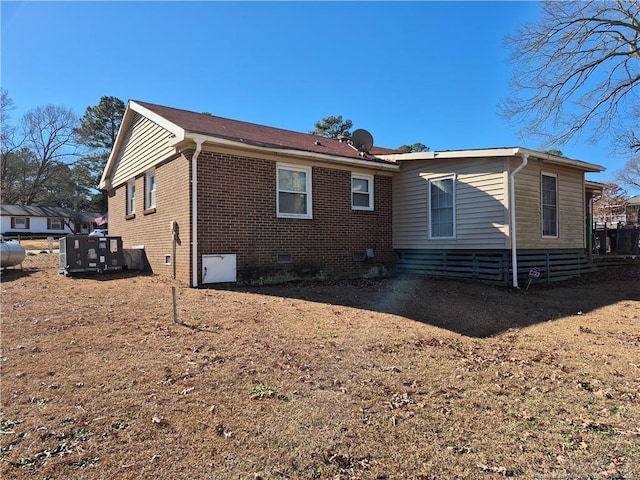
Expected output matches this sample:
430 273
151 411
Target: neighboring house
625 213
27 220
486 214
217 200
246 202
633 211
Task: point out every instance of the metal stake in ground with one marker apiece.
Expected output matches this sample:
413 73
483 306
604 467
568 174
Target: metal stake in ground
175 307
533 273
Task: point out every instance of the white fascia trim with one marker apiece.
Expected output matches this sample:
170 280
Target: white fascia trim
494 152
587 167
598 186
447 154
287 153
155 118
129 114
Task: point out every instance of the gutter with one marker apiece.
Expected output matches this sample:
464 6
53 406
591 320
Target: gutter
194 211
493 152
512 209
285 152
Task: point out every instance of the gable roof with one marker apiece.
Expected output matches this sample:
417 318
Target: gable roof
259 135
185 127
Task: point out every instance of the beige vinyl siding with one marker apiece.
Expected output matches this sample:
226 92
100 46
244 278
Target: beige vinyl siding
571 206
481 208
144 145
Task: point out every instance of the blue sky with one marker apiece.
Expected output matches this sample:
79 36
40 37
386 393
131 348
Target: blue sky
430 72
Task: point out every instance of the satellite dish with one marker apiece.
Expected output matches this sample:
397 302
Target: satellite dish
362 140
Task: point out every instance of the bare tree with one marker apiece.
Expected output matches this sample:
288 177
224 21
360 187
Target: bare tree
48 135
611 205
630 174
576 68
7 141
6 104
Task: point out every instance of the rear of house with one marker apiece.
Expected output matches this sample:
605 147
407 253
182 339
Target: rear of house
216 200
486 214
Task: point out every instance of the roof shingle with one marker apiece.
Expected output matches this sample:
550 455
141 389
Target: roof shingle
261 135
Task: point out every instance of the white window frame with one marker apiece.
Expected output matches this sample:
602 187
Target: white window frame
54 221
150 194
21 219
370 180
294 168
131 197
542 206
453 193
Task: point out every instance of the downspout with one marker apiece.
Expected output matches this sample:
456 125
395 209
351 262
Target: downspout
512 209
589 227
592 226
194 213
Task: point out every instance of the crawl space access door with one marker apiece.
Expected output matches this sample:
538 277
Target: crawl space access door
219 268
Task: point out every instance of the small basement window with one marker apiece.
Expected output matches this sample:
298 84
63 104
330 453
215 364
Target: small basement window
167 259
284 258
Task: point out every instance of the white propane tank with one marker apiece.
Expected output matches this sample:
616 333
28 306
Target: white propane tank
12 254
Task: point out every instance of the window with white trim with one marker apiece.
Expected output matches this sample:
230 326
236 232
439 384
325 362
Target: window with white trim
150 190
442 207
131 198
361 191
293 185
55 224
549 204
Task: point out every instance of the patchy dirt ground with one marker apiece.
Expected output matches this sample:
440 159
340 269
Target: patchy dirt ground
402 378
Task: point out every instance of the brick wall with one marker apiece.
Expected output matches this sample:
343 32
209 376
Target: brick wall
237 215
152 228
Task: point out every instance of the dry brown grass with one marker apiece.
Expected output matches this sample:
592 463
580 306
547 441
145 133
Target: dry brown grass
399 379
39 245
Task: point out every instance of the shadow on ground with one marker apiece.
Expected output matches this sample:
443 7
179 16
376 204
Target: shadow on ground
14 273
468 308
107 276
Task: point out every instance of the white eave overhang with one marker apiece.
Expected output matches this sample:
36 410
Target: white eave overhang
597 187
494 152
